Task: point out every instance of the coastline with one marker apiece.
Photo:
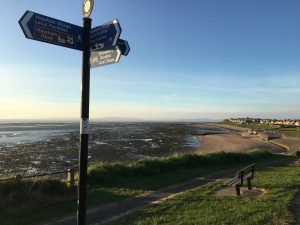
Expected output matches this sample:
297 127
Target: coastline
234 141
110 145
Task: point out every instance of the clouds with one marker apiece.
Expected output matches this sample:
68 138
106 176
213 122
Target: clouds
158 95
234 92
208 58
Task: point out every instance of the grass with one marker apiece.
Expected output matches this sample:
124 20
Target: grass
201 207
254 126
109 173
31 202
288 131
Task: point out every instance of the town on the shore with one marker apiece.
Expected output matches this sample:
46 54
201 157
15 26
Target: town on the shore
280 122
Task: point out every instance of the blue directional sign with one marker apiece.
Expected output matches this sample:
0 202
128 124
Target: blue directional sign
42 28
123 46
105 36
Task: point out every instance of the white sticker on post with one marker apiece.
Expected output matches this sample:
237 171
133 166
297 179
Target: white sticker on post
84 126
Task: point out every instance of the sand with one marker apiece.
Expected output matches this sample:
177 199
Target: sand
235 142
292 143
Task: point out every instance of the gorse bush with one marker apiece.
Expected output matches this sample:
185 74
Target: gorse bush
15 193
49 187
101 173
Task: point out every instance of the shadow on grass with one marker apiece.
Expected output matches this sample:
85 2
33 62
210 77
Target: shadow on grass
28 202
35 212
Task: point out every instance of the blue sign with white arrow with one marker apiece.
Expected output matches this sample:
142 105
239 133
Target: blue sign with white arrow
43 28
105 36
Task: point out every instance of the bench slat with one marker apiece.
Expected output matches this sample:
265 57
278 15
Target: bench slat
242 175
234 182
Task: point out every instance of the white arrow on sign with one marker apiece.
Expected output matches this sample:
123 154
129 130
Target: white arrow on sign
24 22
127 48
117 27
107 35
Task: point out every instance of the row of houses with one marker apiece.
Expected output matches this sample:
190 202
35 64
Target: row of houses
283 122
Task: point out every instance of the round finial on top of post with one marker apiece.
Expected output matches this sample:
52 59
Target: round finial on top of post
87 8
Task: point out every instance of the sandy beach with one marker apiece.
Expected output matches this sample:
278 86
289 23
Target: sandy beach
234 142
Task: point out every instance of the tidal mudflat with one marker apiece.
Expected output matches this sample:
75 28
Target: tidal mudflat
31 148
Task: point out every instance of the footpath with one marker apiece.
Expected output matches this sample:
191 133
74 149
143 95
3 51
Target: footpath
110 212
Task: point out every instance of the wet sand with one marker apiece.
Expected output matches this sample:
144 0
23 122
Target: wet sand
235 142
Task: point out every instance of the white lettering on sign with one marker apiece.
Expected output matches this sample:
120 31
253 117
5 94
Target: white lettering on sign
84 126
52 23
101 58
53 36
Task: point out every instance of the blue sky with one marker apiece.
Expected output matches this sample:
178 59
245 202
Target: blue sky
189 59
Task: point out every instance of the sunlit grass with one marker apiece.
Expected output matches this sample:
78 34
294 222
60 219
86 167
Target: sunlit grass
288 131
201 207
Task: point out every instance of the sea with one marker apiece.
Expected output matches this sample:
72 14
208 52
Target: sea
28 148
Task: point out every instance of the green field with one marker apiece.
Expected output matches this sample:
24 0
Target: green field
33 202
288 131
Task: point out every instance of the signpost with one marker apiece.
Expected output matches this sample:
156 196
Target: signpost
100 46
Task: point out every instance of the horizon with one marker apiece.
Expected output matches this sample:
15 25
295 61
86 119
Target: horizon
129 119
199 59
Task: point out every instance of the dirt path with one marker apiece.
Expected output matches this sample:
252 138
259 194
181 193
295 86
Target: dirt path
111 212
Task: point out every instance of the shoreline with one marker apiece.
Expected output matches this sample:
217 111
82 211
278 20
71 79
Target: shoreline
234 141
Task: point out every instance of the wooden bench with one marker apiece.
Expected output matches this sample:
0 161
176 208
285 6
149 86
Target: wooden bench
242 175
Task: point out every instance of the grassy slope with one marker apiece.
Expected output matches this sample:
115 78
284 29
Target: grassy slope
200 207
114 182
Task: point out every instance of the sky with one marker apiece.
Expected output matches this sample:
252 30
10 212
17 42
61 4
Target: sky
189 59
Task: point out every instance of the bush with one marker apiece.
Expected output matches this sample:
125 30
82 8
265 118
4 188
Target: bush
17 193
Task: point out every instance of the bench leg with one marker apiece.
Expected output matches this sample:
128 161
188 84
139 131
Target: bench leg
238 190
249 184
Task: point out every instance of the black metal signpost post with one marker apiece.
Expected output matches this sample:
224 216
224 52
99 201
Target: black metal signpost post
106 47
84 123
87 8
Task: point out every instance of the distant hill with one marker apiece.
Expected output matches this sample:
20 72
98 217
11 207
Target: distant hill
200 120
117 119
106 119
125 119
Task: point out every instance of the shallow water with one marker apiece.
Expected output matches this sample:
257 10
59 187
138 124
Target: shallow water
12 134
